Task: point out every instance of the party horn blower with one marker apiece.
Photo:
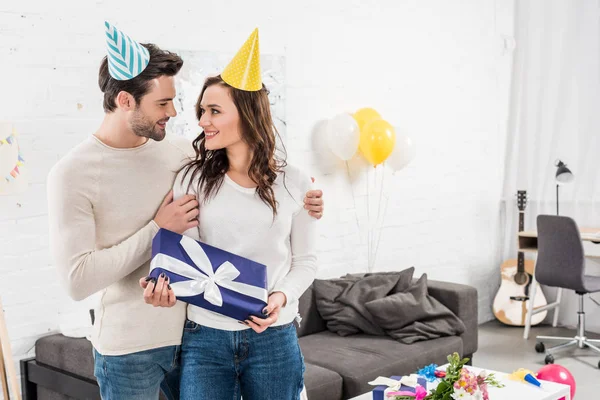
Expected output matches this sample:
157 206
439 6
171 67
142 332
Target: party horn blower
531 379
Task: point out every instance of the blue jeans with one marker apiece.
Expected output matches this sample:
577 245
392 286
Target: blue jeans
225 365
139 376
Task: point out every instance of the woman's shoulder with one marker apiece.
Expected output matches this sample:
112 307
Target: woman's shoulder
183 182
296 179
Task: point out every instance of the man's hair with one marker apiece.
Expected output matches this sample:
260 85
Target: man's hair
162 63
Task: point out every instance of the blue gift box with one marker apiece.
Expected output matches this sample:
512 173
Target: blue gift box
379 391
209 277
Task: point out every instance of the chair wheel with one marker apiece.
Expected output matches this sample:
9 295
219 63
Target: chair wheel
549 359
539 347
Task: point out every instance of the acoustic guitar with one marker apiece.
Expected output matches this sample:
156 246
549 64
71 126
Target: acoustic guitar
512 299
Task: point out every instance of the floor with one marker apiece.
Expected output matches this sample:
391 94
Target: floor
502 348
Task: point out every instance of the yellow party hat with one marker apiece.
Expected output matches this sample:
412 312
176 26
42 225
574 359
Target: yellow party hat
243 72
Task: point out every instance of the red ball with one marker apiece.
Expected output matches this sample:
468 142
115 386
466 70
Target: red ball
559 374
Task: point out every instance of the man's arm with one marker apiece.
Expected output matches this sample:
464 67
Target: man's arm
84 269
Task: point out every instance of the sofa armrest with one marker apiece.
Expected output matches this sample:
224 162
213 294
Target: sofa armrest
462 301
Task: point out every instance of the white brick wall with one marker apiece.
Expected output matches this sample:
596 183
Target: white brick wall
435 67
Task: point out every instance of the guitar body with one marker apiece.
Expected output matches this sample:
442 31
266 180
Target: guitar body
513 297
513 312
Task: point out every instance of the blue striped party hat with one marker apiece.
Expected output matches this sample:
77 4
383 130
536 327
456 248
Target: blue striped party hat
126 57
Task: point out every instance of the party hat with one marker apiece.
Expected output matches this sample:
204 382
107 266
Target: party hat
126 57
243 72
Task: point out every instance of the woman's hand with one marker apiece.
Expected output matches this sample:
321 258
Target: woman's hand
158 292
275 302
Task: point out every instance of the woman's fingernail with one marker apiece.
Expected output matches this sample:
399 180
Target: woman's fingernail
250 318
169 287
242 322
148 278
265 311
162 275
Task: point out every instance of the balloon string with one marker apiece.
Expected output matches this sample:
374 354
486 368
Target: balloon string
368 223
378 221
353 197
387 198
375 214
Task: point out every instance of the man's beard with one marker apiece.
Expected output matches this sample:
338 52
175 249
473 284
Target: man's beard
142 126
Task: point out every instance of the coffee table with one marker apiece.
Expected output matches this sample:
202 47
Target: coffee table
513 390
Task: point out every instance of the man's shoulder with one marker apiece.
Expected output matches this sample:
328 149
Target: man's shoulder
77 161
180 144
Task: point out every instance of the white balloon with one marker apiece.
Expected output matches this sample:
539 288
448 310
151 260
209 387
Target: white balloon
403 153
343 136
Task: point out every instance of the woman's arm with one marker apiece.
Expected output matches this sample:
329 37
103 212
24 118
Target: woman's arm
303 241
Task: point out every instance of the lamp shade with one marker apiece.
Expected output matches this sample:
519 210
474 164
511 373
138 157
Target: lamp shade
563 174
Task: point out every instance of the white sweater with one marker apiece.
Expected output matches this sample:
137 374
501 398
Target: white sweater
238 221
101 202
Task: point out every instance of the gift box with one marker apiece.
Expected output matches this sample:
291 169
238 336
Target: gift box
209 277
380 392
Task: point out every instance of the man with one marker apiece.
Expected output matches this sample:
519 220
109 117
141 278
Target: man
106 202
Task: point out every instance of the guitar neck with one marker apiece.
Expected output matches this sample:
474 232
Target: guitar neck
521 256
521 221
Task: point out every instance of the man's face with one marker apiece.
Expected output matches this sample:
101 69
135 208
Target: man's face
149 119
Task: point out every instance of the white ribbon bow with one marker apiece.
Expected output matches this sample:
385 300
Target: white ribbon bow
200 283
393 384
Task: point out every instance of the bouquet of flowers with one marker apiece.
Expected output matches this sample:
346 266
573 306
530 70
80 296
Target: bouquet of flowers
459 383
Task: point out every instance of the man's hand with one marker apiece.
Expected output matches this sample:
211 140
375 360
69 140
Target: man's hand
178 216
313 202
275 302
158 292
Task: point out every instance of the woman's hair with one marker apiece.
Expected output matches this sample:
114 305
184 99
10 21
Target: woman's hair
257 131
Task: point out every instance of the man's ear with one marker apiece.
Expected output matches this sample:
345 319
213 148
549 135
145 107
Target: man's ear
125 101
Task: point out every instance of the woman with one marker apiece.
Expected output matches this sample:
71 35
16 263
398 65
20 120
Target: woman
251 204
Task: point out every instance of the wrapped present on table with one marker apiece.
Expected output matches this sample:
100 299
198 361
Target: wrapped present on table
209 277
412 385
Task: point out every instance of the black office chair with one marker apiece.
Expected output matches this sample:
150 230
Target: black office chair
561 263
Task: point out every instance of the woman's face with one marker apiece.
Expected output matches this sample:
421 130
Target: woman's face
220 119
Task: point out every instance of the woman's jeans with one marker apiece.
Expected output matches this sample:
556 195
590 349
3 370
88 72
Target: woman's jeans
225 365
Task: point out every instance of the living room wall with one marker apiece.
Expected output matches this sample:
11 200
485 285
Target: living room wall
439 70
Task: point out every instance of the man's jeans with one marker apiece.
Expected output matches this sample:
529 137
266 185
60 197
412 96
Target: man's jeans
139 376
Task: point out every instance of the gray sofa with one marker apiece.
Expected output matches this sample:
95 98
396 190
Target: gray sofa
336 367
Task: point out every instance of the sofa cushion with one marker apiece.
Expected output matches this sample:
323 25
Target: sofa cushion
47 394
362 358
321 383
341 302
414 315
69 354
311 319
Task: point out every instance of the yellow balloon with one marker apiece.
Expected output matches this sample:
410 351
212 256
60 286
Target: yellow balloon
365 115
377 141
